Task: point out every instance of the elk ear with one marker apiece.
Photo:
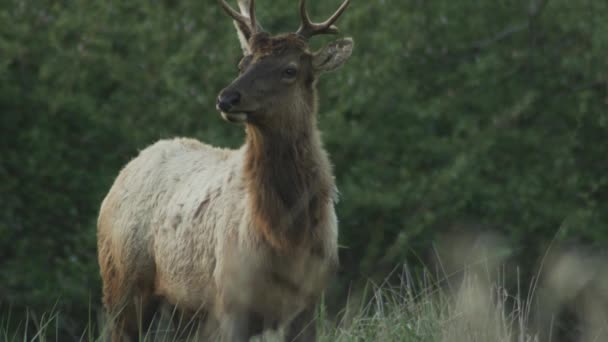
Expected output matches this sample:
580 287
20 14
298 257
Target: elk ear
333 55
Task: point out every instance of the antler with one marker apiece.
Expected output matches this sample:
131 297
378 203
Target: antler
308 28
248 22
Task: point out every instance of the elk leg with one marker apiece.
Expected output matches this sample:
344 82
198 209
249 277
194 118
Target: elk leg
303 327
134 318
146 311
235 328
189 324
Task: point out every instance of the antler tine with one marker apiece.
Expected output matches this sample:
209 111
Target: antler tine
234 14
249 22
308 28
254 25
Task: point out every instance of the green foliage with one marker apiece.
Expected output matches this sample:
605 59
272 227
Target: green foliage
450 114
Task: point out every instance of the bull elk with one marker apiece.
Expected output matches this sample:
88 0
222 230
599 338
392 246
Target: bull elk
244 240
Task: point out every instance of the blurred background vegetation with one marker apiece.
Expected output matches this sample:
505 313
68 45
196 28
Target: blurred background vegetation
451 116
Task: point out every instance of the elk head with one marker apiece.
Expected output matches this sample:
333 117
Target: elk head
276 85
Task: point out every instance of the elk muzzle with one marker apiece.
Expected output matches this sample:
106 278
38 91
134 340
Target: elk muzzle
227 102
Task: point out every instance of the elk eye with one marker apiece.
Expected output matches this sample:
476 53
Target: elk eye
290 72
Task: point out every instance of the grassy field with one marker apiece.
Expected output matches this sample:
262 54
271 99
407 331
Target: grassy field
467 304
474 312
471 310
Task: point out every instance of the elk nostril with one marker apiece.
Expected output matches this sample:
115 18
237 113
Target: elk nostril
227 100
224 106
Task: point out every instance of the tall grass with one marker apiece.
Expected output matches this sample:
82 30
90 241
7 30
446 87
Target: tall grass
467 305
422 310
470 309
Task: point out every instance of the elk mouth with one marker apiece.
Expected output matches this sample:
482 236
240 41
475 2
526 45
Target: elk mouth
238 117
228 105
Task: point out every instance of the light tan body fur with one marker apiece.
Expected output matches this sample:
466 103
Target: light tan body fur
176 225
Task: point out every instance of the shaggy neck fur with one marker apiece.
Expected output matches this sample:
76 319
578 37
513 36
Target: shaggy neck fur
289 180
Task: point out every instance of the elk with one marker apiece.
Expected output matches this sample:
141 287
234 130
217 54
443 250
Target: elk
243 240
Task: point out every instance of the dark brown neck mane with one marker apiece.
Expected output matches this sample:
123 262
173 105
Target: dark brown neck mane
290 182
